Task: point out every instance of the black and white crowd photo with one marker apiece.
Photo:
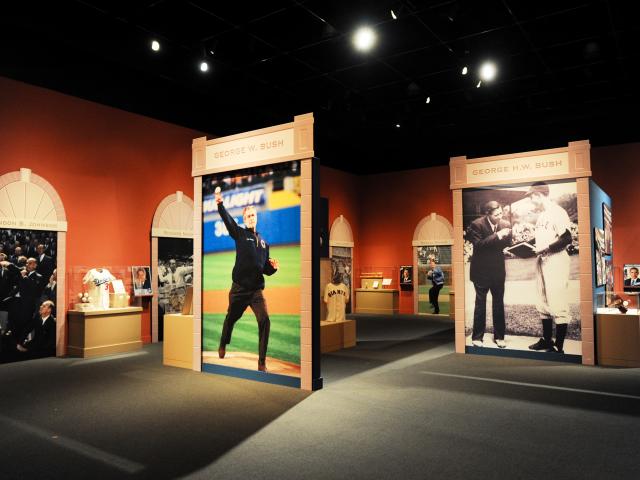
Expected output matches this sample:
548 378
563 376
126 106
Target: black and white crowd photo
28 289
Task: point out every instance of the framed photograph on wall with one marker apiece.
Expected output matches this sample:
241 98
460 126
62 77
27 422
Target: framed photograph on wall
598 239
406 275
141 279
631 275
607 221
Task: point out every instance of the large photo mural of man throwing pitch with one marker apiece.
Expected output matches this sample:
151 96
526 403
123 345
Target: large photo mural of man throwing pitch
251 269
522 288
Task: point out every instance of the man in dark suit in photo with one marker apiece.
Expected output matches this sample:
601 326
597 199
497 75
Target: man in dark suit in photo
489 235
45 262
30 285
39 339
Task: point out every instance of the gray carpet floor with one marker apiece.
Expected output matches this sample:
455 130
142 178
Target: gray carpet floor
400 404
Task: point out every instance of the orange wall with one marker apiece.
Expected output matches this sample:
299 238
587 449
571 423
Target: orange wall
616 169
342 190
395 203
384 211
111 169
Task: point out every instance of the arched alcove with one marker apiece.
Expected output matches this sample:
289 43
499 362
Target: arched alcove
433 231
173 219
340 246
29 202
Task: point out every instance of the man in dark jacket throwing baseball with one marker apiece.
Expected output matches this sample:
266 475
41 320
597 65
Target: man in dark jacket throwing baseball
252 263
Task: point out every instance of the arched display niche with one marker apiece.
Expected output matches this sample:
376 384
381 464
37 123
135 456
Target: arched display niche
432 231
173 219
29 202
341 236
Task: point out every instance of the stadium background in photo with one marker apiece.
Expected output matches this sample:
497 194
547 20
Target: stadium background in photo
275 193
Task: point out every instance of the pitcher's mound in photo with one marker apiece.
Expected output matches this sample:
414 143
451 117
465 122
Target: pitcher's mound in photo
249 361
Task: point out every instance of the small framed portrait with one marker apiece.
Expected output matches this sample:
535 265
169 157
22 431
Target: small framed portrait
607 221
141 279
631 274
406 275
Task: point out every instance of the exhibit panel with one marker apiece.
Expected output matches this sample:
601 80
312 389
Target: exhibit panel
432 240
171 258
254 260
522 255
32 269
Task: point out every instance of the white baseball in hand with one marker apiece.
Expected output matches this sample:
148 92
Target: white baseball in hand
217 190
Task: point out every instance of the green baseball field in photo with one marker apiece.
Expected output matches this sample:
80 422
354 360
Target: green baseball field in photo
423 300
284 337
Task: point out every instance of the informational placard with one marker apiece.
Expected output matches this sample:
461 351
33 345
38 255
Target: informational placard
501 171
256 148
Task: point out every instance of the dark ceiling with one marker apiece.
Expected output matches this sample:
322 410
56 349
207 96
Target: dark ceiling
567 70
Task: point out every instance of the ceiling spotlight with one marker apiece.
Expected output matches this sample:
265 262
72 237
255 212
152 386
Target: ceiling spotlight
204 66
479 84
488 71
393 15
428 100
397 125
364 39
155 45
464 70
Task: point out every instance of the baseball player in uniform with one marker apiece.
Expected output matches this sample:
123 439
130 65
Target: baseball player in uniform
336 296
252 263
552 235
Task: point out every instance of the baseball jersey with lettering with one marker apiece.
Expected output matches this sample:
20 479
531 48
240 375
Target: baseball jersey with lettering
336 297
97 282
551 224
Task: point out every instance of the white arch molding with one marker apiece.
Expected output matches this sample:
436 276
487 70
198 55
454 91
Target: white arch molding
29 202
341 234
432 230
174 219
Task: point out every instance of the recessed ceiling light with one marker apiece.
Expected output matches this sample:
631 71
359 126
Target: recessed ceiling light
393 15
464 70
397 125
364 39
488 71
428 100
204 66
155 45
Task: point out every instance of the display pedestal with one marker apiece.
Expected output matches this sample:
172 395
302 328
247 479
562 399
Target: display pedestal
618 337
383 301
177 346
337 335
94 333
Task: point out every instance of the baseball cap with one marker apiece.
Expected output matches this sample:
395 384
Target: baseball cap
538 187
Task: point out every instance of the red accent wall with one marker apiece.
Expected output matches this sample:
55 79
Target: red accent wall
616 169
342 190
384 211
111 169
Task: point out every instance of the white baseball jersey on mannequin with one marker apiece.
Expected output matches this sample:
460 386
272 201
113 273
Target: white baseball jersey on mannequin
97 282
336 296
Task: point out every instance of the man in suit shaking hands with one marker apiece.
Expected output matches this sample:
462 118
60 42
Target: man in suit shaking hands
489 234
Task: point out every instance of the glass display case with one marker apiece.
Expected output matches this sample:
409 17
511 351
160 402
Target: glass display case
618 302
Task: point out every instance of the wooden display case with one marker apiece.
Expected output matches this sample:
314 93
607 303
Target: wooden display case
177 346
94 333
